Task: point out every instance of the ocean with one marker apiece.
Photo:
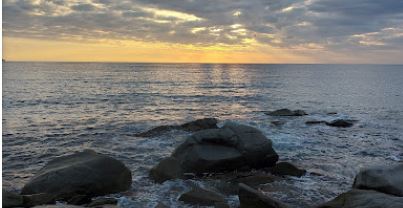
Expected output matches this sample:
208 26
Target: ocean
54 109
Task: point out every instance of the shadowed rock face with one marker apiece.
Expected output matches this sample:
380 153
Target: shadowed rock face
364 199
193 126
251 198
231 147
78 177
388 180
287 112
199 196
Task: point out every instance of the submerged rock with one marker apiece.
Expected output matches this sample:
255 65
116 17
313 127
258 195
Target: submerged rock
344 123
78 177
169 168
388 180
287 112
231 147
313 122
10 199
286 168
251 198
364 199
196 125
202 197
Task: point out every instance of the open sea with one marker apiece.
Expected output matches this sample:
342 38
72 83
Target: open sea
54 109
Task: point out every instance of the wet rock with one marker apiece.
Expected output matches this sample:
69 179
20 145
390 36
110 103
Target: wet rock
10 199
388 180
193 126
364 199
251 198
286 168
344 123
256 180
287 112
200 124
313 122
229 148
278 123
169 168
80 176
221 205
202 197
38 199
102 201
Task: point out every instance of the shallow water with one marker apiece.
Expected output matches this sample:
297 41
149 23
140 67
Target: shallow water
53 109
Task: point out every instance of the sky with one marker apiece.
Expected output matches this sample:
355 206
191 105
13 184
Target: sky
204 31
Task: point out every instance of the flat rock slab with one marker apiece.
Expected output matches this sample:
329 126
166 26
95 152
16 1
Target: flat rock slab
364 199
78 177
203 197
251 198
388 180
286 112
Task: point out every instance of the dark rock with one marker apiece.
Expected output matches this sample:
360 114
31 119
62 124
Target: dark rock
364 199
229 148
38 199
200 124
287 112
256 180
58 206
278 123
388 180
202 197
313 122
169 168
196 125
331 113
286 168
251 198
102 201
221 205
344 123
10 199
80 176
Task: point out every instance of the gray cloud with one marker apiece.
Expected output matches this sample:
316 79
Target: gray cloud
315 24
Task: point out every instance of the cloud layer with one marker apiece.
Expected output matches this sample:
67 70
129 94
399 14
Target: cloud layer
332 25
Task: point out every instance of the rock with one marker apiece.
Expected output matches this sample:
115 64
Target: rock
202 197
256 180
226 149
286 168
200 124
38 199
10 199
364 199
80 176
196 125
221 205
313 122
388 180
251 198
102 201
344 123
278 123
287 112
58 206
169 168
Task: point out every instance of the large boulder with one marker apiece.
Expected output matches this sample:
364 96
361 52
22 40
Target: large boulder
10 199
251 198
201 197
364 199
388 180
231 147
286 112
78 177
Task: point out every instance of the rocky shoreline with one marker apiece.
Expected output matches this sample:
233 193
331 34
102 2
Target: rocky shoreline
239 156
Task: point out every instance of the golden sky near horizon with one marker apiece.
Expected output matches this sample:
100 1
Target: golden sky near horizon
223 31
